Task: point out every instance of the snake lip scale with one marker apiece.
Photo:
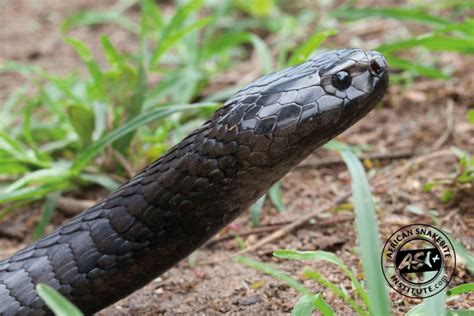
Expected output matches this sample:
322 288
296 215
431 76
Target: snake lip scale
203 183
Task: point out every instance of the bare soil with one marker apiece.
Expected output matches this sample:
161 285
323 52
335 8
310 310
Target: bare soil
422 120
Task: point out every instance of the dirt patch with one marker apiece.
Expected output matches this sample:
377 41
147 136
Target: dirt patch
425 119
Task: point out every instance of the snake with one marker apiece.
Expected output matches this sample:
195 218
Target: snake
177 203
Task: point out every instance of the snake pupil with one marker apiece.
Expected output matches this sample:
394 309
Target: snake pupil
341 80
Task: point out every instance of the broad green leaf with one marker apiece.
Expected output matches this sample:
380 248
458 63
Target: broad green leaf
56 301
369 245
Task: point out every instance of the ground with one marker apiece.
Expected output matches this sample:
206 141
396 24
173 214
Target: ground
413 129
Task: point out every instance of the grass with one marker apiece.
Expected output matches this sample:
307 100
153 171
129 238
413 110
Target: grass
73 128
372 297
63 133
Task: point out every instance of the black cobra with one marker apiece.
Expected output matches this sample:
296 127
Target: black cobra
181 200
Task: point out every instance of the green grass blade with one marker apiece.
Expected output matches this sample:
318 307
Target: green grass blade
275 196
309 46
169 35
304 307
224 42
176 36
434 305
394 13
47 213
256 211
86 18
42 176
267 269
263 53
321 305
366 224
431 42
56 301
100 179
329 257
82 120
114 58
461 289
337 291
134 109
86 55
34 193
460 312
404 64
306 304
463 253
292 282
84 157
257 8
20 152
154 16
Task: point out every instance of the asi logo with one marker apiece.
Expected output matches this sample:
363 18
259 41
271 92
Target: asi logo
418 261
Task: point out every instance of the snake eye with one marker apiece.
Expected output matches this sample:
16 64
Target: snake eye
341 80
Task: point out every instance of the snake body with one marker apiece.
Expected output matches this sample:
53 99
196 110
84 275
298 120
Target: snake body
181 200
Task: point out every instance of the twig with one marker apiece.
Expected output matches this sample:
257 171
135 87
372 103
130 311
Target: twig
449 126
372 156
255 231
71 206
416 160
294 225
125 163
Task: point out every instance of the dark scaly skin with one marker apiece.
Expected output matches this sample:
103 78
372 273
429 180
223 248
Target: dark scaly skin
181 200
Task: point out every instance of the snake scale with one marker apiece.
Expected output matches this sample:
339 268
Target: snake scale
203 183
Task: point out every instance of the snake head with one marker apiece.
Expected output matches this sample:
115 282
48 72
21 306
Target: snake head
313 101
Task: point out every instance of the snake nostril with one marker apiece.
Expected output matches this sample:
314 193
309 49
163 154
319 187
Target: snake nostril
378 65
